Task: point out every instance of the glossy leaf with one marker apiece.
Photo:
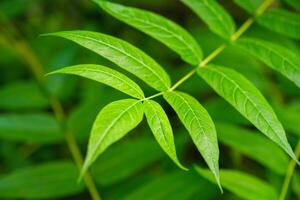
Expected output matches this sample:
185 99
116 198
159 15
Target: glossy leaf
123 54
32 128
244 96
112 123
254 145
50 180
243 185
275 56
294 3
281 21
199 125
214 15
161 129
158 27
249 5
106 76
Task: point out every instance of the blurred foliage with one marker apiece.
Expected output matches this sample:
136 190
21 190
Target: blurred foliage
34 160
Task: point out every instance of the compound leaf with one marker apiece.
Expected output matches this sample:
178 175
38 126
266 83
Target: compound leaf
123 54
281 21
242 184
199 125
244 96
275 56
214 15
112 123
158 27
161 129
106 76
44 181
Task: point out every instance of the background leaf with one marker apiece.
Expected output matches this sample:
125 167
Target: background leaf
242 184
106 76
123 54
275 56
249 5
214 15
199 125
112 123
242 95
49 180
161 129
158 27
293 3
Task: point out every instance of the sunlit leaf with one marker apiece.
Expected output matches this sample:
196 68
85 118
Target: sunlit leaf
249 5
158 27
161 129
112 123
281 21
123 54
214 15
275 56
33 128
254 145
106 76
51 181
199 125
243 185
244 96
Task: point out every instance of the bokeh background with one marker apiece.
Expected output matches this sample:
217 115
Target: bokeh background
135 167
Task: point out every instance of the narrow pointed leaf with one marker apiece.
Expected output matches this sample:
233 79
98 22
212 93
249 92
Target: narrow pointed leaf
254 145
164 30
214 15
199 125
294 3
106 76
281 21
249 5
242 184
123 54
161 129
244 97
112 123
45 181
275 56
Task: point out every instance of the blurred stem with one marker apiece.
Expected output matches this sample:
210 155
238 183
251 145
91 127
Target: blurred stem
289 173
27 54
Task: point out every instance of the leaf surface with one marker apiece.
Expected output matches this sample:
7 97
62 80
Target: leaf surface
112 123
214 15
164 30
44 181
244 97
249 5
242 184
199 125
161 129
122 54
275 56
106 76
281 21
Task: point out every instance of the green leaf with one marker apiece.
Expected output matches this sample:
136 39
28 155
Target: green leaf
158 27
20 127
243 185
244 96
199 125
123 54
255 146
296 184
112 123
106 76
281 21
214 15
294 3
249 5
50 180
175 186
22 95
161 129
275 56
